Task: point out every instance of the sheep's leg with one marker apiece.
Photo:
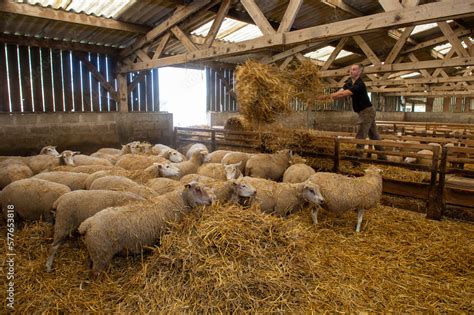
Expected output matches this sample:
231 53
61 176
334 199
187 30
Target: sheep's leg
360 215
52 252
314 215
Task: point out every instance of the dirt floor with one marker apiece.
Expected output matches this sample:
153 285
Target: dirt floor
234 259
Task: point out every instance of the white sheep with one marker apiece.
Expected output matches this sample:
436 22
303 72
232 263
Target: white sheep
342 193
196 147
109 157
236 157
32 198
89 169
137 161
214 170
45 162
120 183
140 176
192 165
279 198
163 185
72 208
223 191
268 166
110 151
132 227
297 173
49 150
172 155
216 156
82 159
425 160
10 172
74 181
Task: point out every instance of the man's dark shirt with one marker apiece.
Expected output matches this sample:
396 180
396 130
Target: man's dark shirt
360 98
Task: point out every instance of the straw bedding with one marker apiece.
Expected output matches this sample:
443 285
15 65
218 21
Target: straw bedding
231 259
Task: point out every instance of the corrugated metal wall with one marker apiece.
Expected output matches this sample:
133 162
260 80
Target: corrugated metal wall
42 79
220 95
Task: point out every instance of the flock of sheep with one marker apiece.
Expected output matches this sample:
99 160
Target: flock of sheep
124 200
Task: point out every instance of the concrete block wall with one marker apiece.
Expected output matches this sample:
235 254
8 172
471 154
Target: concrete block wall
86 132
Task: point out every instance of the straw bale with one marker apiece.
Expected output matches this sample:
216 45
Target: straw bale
230 259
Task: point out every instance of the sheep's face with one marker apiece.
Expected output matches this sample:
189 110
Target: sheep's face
175 156
409 160
244 192
50 150
312 194
143 148
126 149
232 171
134 147
196 194
167 170
67 157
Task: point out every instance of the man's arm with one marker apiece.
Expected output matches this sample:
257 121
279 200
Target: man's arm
339 94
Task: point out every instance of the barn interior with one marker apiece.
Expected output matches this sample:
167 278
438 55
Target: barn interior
244 76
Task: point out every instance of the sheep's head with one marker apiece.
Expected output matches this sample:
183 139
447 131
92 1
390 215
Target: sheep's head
67 157
232 171
196 194
144 147
166 170
286 152
126 149
199 156
244 192
134 147
312 193
175 157
409 160
297 159
50 150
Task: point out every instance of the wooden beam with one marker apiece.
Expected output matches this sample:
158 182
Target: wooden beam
419 81
161 46
423 72
334 53
394 19
97 75
430 64
417 89
286 62
433 94
138 78
123 92
183 38
293 51
57 44
181 13
453 39
341 5
289 16
436 41
70 17
220 16
390 5
257 16
142 55
366 49
399 44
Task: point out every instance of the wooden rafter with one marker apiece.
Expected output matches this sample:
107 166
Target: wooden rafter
390 5
334 53
399 44
258 17
220 16
437 11
183 38
366 49
181 13
289 16
409 66
138 78
161 46
453 39
70 17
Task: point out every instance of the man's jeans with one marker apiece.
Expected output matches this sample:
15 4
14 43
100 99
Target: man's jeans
367 128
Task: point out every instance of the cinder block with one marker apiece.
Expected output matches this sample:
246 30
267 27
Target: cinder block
70 117
40 130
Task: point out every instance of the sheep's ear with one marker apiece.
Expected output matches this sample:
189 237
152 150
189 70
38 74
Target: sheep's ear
160 166
76 152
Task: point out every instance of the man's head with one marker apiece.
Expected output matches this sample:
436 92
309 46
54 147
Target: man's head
356 70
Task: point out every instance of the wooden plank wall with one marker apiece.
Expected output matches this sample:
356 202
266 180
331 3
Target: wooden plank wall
145 97
220 82
34 79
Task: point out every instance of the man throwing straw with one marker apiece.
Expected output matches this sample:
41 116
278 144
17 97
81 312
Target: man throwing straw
356 89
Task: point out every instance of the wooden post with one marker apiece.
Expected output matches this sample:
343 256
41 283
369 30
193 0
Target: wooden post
336 155
213 140
175 137
123 92
434 207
